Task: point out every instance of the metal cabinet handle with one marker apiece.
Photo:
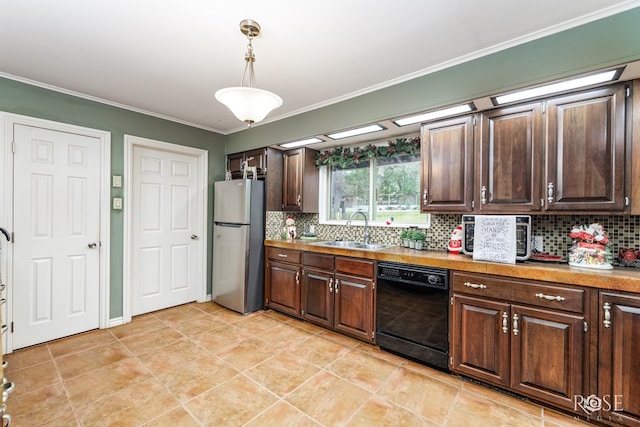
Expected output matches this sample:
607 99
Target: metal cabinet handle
282 255
331 285
424 197
475 285
550 297
515 324
550 192
337 283
607 315
92 245
505 322
297 278
483 195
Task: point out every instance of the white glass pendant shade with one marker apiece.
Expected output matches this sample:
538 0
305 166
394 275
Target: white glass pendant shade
248 104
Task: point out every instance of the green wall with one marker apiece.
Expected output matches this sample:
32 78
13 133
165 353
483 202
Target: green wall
611 41
20 98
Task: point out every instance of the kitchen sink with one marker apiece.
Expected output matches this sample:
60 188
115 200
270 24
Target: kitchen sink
353 245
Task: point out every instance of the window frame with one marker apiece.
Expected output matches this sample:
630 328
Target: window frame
325 204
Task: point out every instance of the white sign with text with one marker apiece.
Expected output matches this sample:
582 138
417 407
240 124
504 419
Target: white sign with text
495 238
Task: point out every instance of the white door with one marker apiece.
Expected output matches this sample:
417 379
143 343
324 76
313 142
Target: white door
165 244
56 282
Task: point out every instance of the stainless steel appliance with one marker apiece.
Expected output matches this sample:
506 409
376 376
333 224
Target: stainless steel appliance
238 245
523 235
412 312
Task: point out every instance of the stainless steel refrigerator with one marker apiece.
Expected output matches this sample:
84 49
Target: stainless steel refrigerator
238 245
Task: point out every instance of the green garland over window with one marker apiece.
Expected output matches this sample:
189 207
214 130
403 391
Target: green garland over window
345 157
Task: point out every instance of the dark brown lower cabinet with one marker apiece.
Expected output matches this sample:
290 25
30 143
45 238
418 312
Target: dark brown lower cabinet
336 300
619 358
535 351
283 276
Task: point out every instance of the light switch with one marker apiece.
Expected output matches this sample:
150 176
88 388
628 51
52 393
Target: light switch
117 203
116 181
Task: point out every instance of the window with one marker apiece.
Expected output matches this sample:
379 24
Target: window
387 189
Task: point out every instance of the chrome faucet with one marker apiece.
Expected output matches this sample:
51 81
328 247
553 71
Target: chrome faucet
366 225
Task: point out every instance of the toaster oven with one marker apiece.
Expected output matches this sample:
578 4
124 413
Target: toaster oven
523 235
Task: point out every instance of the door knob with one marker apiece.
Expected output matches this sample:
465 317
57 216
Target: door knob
194 237
92 245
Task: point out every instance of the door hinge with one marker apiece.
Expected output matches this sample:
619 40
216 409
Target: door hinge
628 91
373 285
11 327
451 300
266 301
373 335
586 326
451 361
544 108
473 204
302 312
626 200
13 237
13 147
474 121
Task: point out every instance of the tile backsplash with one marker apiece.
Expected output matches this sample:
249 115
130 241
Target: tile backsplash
624 231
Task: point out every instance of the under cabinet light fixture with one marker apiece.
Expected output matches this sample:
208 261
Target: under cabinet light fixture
301 142
357 131
536 92
424 117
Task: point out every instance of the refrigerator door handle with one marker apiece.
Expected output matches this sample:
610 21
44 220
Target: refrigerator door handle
228 224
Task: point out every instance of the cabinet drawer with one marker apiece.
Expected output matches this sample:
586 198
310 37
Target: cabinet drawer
557 297
357 267
285 255
323 261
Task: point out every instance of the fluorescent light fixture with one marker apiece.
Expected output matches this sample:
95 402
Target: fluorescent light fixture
357 131
301 142
562 86
424 117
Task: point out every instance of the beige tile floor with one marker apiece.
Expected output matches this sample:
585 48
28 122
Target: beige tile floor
203 365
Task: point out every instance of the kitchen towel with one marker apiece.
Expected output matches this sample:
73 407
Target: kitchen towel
494 238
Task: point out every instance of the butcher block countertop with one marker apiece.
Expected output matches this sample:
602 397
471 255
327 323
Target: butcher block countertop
618 279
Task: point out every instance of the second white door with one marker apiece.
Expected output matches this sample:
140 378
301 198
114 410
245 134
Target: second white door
57 234
165 242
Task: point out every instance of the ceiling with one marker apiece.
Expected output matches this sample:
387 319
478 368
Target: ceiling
167 58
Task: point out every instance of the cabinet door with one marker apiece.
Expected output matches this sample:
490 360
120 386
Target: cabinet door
258 159
292 181
586 151
547 350
510 160
317 296
234 164
446 150
618 357
283 287
353 314
480 339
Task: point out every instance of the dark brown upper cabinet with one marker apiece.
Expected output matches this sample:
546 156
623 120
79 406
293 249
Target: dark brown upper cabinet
300 181
586 151
446 151
509 163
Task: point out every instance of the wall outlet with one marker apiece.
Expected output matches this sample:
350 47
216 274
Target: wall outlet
538 244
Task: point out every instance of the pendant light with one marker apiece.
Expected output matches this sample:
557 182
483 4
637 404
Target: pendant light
248 103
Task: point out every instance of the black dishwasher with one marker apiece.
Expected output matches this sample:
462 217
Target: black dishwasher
412 312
